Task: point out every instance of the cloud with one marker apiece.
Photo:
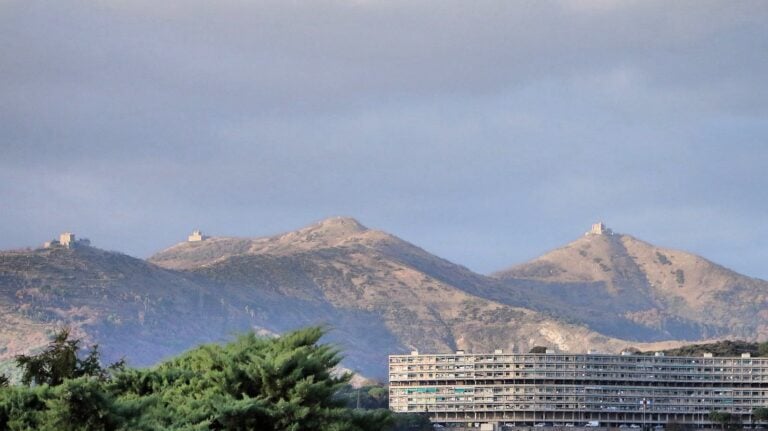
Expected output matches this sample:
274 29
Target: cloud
516 123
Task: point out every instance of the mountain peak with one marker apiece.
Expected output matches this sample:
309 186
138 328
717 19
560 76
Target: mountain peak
340 224
672 292
325 232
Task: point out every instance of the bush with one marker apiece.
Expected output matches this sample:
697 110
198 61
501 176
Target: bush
680 276
760 414
676 426
726 420
61 361
411 422
284 383
663 259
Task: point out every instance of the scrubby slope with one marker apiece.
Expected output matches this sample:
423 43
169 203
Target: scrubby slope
377 293
626 287
423 302
127 305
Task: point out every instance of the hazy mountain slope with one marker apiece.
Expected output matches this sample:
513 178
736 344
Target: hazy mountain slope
420 300
325 233
378 294
692 287
622 286
145 312
194 254
129 306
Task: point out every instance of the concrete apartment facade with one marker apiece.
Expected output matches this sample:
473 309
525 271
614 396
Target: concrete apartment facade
553 389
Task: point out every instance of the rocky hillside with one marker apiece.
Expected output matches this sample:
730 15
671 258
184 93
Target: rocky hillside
378 294
401 293
127 305
625 287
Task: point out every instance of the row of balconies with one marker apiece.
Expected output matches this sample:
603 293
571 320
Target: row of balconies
453 406
587 390
583 376
592 404
577 377
597 397
602 360
622 373
594 397
553 367
627 404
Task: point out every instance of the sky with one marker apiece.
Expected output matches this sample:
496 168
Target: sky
486 132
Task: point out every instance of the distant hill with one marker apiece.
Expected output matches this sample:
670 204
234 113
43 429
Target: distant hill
406 297
627 288
720 348
378 293
129 306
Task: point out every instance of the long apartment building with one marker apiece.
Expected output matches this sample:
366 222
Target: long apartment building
556 389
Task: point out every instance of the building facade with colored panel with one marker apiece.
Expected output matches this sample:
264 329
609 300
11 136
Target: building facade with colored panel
552 389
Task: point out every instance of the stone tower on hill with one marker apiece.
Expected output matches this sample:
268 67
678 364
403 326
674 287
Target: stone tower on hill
67 239
197 236
599 229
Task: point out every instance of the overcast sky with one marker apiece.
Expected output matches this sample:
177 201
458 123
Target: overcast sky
486 132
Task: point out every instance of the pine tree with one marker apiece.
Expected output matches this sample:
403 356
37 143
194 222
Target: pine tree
284 384
60 361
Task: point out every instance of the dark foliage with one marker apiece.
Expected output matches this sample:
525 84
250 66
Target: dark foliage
760 414
662 258
720 348
726 420
60 361
677 426
285 383
411 422
367 397
680 276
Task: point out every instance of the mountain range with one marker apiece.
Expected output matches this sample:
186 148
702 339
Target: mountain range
376 293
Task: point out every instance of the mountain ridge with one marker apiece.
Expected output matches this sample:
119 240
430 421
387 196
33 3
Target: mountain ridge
649 283
381 293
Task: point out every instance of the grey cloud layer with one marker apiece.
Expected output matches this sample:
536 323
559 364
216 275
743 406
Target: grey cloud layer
484 131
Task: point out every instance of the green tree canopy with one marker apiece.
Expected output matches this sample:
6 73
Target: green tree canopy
286 383
725 419
721 418
760 414
60 361
412 422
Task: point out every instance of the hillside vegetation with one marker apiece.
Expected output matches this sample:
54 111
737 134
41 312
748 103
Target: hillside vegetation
127 305
720 348
627 288
404 293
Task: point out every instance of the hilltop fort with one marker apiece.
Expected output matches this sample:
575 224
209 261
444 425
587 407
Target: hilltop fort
67 240
196 236
599 229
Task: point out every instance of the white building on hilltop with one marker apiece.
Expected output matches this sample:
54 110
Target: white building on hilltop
67 240
599 229
197 236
